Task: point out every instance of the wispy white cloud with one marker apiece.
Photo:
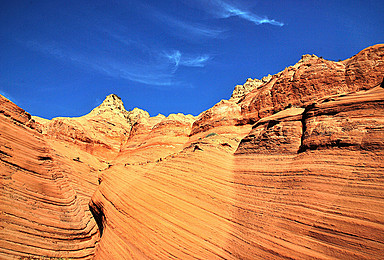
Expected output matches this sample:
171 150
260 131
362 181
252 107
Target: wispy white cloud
186 28
138 72
191 28
199 61
174 57
226 10
159 71
179 59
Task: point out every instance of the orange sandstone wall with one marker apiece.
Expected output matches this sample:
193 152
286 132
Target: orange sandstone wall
290 167
41 214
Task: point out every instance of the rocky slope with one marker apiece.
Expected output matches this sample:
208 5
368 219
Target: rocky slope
291 166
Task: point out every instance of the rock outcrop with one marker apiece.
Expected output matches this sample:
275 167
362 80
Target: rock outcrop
290 167
41 213
102 132
353 121
314 78
251 84
280 133
156 137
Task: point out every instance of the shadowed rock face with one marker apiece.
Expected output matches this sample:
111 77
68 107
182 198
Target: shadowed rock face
290 167
280 133
355 121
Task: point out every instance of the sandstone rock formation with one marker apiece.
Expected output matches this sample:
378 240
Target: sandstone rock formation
101 132
314 78
290 167
44 202
251 84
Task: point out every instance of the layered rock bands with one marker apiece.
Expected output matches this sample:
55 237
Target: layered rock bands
290 167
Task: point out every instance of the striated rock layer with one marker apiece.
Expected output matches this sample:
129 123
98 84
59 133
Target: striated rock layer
41 213
290 167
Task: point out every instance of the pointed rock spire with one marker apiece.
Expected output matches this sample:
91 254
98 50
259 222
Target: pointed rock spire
113 107
111 104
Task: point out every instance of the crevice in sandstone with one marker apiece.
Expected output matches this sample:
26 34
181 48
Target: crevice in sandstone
44 158
98 215
272 123
304 117
4 153
332 144
197 148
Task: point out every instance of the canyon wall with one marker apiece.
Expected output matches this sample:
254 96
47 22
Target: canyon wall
291 166
44 194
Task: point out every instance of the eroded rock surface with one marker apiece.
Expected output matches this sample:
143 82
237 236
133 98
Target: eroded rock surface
314 78
41 213
291 167
241 90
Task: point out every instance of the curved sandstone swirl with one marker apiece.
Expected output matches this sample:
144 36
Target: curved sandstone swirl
325 201
292 200
41 214
304 183
291 167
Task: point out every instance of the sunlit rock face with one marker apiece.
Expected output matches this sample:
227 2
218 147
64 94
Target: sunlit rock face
290 166
251 84
44 194
313 78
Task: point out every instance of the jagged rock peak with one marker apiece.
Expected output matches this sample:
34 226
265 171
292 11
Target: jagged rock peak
251 84
241 90
307 57
113 109
111 104
113 101
137 113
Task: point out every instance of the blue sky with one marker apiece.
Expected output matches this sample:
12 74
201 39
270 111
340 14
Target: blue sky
61 58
